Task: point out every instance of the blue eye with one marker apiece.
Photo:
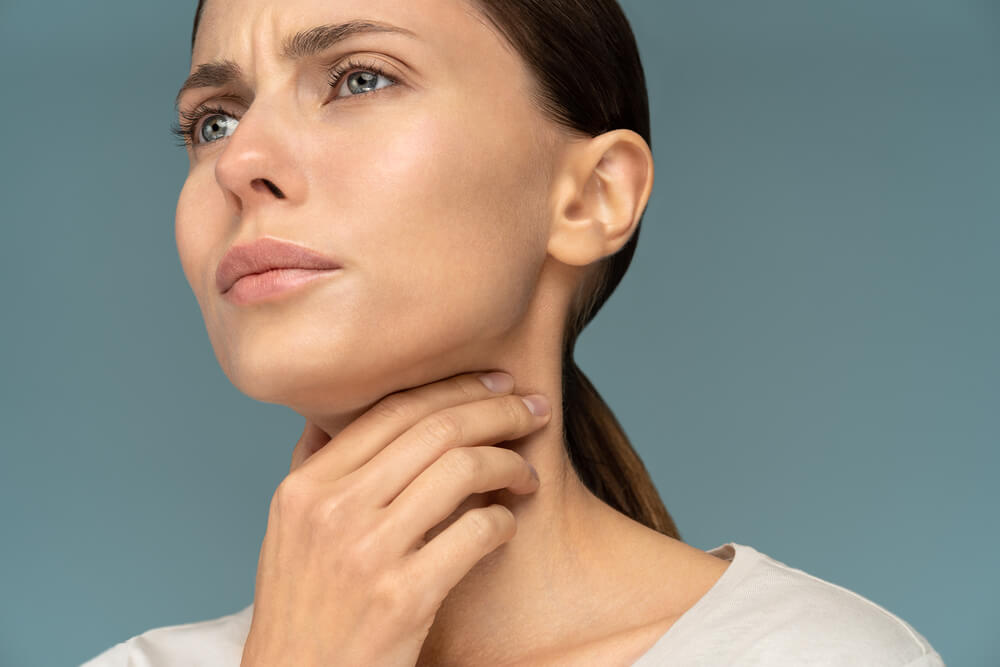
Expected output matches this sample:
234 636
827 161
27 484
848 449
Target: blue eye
217 123
366 81
220 127
185 130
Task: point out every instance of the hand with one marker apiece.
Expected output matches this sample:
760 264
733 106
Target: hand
345 576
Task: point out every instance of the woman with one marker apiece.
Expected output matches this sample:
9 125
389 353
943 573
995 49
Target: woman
385 201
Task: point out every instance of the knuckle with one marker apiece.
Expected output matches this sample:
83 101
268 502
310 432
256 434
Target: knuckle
516 411
326 514
441 429
292 495
389 596
470 386
484 523
394 407
321 512
461 463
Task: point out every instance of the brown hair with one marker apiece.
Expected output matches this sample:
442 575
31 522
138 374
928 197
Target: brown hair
588 80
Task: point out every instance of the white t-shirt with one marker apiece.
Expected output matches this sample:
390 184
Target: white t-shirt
759 612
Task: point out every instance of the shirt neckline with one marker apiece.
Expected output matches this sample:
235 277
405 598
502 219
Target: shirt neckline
742 559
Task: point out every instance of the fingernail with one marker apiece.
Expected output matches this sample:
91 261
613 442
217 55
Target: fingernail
538 404
497 382
534 473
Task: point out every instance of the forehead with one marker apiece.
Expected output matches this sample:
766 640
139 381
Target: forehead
241 29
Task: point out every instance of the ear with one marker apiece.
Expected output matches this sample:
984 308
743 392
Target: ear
599 192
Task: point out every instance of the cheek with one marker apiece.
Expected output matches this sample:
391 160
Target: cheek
199 229
185 234
438 217
198 222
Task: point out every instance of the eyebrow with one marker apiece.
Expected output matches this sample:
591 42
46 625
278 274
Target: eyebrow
301 45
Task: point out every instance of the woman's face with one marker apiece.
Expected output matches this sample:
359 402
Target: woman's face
428 185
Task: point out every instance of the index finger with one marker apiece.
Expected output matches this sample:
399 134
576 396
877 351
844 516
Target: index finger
393 415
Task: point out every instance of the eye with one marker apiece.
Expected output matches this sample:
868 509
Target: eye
362 78
216 125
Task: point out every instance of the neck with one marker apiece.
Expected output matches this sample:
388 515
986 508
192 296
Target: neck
560 576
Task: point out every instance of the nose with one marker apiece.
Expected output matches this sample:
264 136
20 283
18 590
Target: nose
259 183
256 167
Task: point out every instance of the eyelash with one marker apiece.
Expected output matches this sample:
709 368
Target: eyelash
185 129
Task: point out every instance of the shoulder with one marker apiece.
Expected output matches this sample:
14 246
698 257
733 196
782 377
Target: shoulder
785 611
764 612
217 642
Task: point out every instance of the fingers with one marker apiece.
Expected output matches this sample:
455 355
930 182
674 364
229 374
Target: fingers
393 415
344 524
436 493
484 422
447 558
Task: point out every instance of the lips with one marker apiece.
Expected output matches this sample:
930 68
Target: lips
266 254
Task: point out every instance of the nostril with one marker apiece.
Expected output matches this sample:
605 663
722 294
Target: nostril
257 182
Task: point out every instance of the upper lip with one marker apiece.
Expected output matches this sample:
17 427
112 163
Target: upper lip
265 254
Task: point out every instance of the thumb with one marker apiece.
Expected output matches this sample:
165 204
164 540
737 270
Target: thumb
313 439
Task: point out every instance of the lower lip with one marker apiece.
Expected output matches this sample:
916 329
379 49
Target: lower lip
271 284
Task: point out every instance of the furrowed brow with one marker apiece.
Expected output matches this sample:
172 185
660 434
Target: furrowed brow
301 45
214 74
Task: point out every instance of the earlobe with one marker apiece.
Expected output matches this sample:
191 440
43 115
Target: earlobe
598 196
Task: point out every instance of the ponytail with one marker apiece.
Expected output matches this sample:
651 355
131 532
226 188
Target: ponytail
603 457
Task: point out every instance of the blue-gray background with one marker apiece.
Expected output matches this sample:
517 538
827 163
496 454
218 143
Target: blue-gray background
803 352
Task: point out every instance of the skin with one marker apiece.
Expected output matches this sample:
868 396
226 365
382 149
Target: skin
463 220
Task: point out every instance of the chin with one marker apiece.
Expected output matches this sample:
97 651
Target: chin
330 381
